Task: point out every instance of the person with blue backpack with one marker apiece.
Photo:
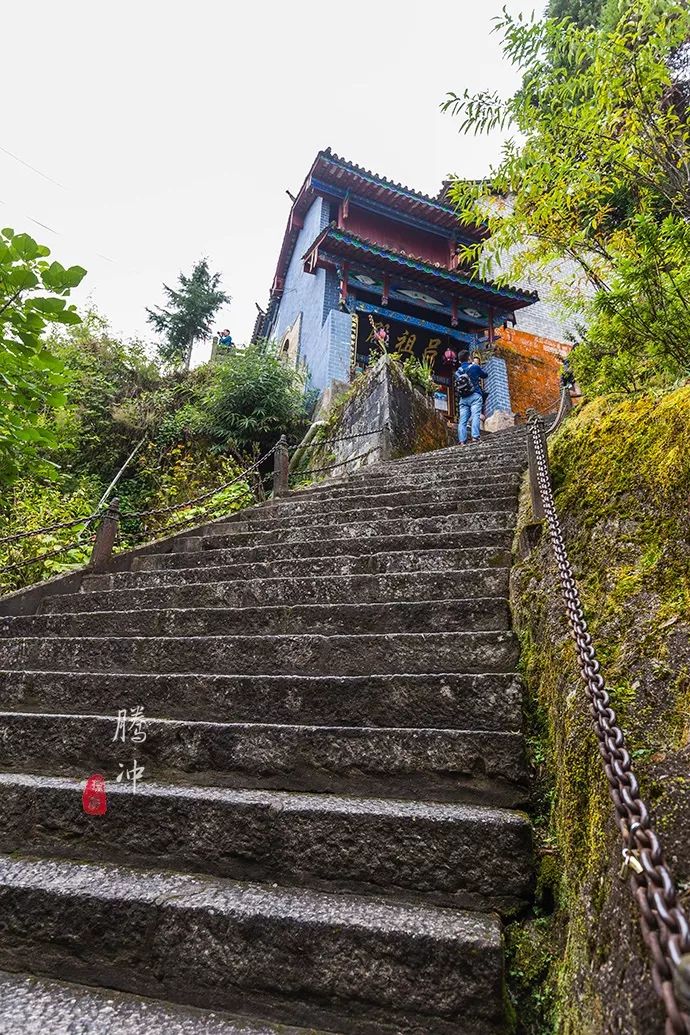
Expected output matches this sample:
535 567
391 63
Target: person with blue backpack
470 396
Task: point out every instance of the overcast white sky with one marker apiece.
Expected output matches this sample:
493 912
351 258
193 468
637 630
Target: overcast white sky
173 129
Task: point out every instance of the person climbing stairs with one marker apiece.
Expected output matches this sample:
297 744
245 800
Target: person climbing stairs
309 723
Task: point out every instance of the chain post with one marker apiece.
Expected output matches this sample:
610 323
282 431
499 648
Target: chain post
536 428
281 463
105 537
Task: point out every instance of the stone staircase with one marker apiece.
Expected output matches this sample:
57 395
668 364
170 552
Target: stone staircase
327 831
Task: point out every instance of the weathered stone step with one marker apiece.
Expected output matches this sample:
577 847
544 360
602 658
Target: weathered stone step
477 548
463 614
466 856
326 589
439 499
281 516
491 701
385 491
29 1005
474 482
350 963
269 655
482 767
489 464
158 570
284 530
457 456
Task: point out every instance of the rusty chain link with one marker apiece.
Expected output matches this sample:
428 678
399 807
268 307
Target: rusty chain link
345 438
662 919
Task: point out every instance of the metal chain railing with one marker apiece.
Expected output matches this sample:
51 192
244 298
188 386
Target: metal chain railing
663 921
319 443
109 516
332 467
205 495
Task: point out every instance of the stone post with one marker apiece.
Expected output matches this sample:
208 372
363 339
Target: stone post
281 460
105 537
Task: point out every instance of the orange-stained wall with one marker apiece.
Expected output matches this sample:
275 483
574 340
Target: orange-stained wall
398 236
534 366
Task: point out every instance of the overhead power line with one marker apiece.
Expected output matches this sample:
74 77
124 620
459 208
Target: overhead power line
32 167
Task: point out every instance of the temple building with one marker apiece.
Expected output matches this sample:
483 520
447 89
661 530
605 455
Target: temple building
367 264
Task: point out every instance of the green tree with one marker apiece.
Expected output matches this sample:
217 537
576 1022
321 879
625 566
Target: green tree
600 176
582 12
102 373
32 296
253 398
189 315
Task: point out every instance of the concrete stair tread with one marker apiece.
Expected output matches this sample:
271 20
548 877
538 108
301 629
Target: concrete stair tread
380 523
482 701
200 892
364 508
481 613
305 956
484 767
431 584
296 654
288 801
228 567
467 856
29 1005
368 550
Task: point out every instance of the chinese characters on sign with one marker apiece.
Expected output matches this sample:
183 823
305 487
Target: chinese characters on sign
391 336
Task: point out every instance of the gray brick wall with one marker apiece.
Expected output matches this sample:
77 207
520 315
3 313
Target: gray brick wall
497 386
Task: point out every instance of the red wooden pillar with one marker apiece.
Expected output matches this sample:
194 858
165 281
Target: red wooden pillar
343 283
491 326
386 289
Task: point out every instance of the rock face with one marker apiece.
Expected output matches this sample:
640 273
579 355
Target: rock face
325 829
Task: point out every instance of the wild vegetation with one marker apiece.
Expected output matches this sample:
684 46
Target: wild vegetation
192 431
598 179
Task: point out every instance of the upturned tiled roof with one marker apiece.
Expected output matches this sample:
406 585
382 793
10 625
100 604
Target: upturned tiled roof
335 241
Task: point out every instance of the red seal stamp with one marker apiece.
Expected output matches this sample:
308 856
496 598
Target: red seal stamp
93 798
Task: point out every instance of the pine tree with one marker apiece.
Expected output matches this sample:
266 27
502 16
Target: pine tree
189 315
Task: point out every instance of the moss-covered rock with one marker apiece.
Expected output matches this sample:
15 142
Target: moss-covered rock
621 471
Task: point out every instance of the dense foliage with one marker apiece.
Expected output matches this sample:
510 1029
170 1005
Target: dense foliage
32 296
599 178
189 315
190 431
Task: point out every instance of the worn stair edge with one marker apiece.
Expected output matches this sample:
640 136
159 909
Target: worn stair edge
360 508
459 498
472 766
279 530
482 481
476 481
480 614
329 589
306 957
383 551
29 1005
465 856
309 567
480 701
270 655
